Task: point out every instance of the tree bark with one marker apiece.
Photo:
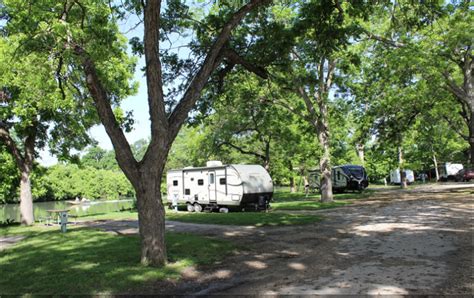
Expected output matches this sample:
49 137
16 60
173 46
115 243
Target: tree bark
292 178
24 163
403 178
267 156
325 167
360 153
465 95
471 138
26 199
323 130
151 218
320 121
435 162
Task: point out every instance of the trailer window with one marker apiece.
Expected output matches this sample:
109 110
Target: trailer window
211 178
187 191
175 182
338 175
222 181
200 182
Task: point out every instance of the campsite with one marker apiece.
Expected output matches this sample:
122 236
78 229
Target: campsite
254 147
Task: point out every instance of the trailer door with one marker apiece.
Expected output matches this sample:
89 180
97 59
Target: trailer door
212 187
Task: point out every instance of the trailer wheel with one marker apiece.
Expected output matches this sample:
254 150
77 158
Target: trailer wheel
197 207
190 207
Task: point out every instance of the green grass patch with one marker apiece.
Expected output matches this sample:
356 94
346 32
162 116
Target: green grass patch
244 218
286 196
307 205
86 261
116 215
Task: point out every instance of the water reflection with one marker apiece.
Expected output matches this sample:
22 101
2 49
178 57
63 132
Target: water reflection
12 211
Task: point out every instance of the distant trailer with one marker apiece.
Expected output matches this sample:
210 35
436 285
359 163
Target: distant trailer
219 186
395 177
448 171
343 178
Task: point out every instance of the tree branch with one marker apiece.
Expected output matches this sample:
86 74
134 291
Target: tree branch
123 151
459 93
384 40
159 122
235 58
454 128
329 77
11 146
180 112
241 150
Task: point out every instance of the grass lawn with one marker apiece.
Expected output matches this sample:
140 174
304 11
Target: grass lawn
86 261
117 215
233 218
244 218
283 199
307 205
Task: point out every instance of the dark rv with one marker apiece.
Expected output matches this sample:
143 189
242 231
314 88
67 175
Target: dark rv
220 186
346 177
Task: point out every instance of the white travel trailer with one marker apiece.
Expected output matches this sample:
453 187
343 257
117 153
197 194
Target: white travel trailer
220 186
448 171
396 179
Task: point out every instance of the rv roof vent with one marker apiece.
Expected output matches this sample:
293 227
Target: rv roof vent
213 163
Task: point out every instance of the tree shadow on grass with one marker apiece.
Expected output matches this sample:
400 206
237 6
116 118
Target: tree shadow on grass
85 261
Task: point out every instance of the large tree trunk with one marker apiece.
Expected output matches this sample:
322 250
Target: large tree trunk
403 177
471 138
465 95
326 182
320 121
266 163
24 163
292 184
26 199
361 153
325 161
435 162
151 219
292 178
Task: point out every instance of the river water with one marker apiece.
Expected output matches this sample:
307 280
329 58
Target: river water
12 211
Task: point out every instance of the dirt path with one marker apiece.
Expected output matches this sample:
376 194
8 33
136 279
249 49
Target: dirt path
397 242
8 241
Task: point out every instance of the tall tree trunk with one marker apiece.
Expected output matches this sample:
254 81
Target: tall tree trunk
471 137
292 177
435 162
292 184
323 136
403 178
320 121
325 167
151 219
26 199
361 153
465 95
325 161
24 163
267 156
